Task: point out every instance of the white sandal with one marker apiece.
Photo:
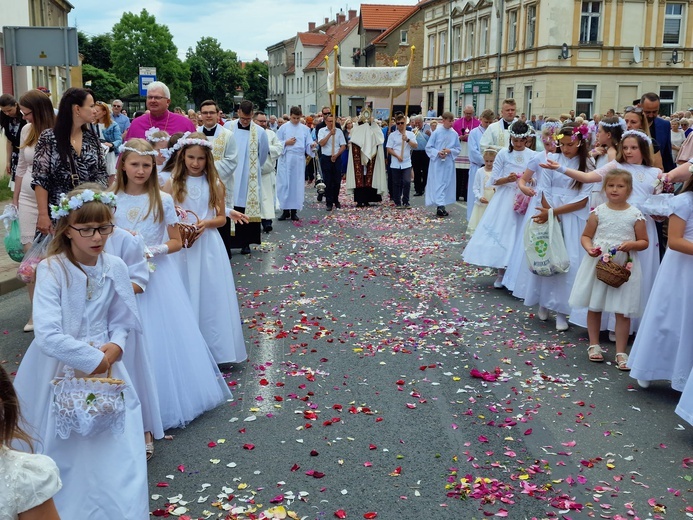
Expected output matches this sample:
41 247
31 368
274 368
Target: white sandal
595 354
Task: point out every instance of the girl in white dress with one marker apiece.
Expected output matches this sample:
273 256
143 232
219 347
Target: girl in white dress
569 201
159 141
205 268
615 231
608 139
492 243
482 193
177 349
515 278
662 348
84 309
634 156
29 480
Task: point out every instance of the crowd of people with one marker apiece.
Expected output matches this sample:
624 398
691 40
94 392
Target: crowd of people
136 291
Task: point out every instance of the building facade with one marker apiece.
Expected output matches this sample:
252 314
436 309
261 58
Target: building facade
552 56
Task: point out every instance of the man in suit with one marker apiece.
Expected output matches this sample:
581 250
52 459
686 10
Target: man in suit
660 129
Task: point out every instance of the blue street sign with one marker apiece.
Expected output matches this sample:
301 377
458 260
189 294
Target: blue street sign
145 80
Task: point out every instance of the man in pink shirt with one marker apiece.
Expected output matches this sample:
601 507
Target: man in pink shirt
158 115
463 126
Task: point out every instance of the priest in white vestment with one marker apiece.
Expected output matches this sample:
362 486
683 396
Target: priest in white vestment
366 173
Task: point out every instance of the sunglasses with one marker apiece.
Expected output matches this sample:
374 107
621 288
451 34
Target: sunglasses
637 110
399 124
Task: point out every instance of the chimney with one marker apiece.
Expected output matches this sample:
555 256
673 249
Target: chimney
311 26
327 20
352 14
341 18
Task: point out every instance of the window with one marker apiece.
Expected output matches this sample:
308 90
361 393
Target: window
483 41
431 50
531 26
667 100
528 101
442 48
589 22
510 93
403 36
584 100
512 30
456 42
673 18
470 40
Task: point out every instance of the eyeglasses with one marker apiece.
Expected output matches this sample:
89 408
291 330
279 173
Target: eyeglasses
208 113
637 110
156 98
117 106
90 231
27 113
400 123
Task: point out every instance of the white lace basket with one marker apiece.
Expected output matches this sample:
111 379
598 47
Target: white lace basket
88 405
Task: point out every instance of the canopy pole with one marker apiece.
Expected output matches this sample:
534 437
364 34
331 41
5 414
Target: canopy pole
336 78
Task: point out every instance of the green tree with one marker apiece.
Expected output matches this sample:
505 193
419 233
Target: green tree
96 50
215 73
139 41
106 86
256 73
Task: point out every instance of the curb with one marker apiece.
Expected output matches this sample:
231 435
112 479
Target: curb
9 285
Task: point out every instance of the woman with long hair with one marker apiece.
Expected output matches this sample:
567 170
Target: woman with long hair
109 134
37 110
67 155
11 124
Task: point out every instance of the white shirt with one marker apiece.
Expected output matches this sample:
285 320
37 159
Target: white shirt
338 139
394 141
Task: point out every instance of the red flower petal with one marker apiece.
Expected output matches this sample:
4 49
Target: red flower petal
162 484
295 467
372 514
249 446
340 513
211 444
372 447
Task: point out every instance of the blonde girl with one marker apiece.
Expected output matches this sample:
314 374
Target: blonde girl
482 193
159 141
177 350
84 309
615 232
195 186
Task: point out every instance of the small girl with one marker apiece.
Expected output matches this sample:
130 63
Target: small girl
205 268
615 231
492 243
608 138
568 199
178 351
160 142
84 308
29 480
482 194
662 347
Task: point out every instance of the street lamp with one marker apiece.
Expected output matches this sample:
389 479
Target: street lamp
270 102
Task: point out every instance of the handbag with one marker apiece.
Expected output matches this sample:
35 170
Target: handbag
13 242
88 405
545 248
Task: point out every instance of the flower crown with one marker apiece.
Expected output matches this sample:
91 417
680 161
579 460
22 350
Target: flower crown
528 133
122 148
186 141
637 133
621 123
63 208
148 135
581 131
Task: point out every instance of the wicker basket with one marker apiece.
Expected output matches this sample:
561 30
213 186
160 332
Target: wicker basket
88 405
612 273
188 232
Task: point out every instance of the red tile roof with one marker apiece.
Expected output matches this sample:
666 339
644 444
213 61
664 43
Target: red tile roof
309 39
335 35
381 17
398 23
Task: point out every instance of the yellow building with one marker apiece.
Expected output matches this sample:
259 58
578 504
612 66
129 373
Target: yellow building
552 56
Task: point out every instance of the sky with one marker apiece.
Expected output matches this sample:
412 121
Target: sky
246 28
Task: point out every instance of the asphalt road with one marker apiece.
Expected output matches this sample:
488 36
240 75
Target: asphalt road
363 327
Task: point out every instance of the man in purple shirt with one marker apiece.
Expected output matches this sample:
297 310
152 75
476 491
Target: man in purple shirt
463 126
158 115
